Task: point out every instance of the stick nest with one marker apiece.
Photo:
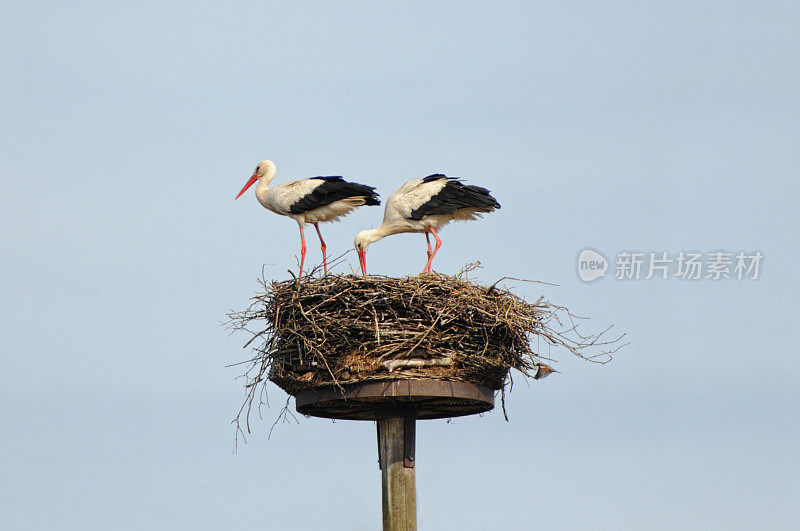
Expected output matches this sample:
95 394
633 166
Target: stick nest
344 329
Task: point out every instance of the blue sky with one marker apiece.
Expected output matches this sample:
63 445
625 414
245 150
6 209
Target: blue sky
128 128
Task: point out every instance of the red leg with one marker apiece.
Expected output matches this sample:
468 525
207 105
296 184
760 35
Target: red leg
430 252
436 250
302 252
322 244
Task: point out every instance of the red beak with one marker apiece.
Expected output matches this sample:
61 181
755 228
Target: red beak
253 179
362 257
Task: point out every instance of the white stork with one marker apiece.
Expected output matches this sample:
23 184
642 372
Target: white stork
424 205
311 200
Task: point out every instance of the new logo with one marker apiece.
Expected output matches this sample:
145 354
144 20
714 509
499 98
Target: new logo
591 265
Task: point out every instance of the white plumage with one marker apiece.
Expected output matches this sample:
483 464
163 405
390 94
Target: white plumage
313 200
425 205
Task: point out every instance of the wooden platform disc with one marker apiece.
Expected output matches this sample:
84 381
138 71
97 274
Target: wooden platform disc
424 399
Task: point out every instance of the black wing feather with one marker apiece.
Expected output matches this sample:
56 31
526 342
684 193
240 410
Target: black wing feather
334 188
455 196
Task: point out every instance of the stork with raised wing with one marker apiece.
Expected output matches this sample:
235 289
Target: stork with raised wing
313 200
425 205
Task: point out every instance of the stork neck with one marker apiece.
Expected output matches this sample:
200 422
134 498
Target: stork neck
262 192
263 184
385 229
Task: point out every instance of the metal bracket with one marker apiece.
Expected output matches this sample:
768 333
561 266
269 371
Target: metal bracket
378 425
409 437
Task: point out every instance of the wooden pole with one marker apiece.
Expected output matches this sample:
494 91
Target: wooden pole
396 453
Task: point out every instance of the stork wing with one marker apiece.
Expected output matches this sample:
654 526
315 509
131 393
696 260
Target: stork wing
322 191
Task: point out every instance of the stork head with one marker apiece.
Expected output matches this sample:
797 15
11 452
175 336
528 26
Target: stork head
363 239
265 171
